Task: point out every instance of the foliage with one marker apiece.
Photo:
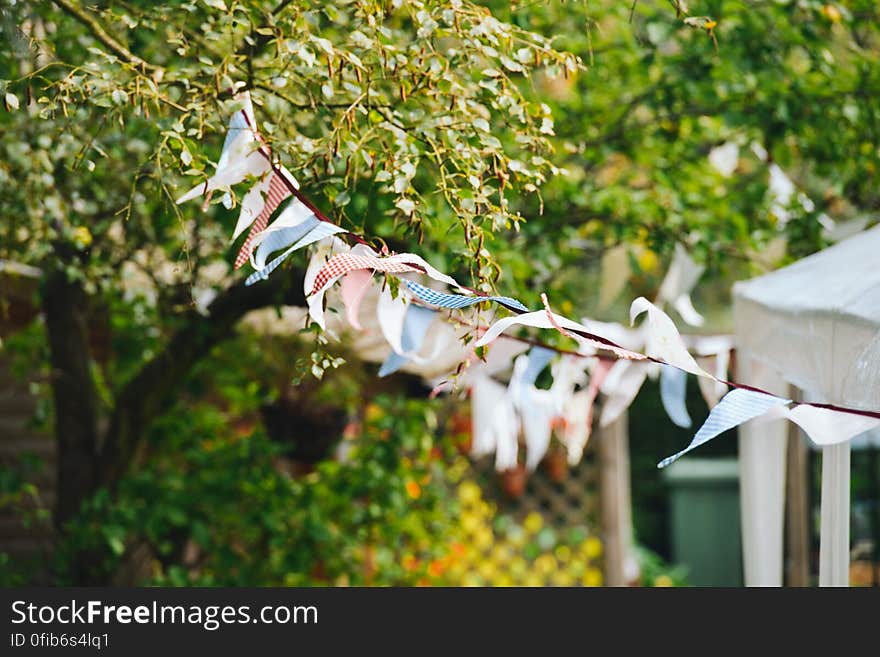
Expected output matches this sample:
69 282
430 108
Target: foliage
511 143
218 502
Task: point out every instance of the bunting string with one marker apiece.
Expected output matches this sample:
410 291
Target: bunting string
665 355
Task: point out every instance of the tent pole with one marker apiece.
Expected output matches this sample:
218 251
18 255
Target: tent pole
834 532
762 451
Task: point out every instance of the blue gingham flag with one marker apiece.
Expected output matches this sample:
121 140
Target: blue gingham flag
415 329
281 238
673 386
736 407
320 231
539 357
454 301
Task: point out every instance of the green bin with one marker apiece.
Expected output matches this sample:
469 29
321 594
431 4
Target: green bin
705 521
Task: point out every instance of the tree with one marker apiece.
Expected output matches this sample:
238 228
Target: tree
431 126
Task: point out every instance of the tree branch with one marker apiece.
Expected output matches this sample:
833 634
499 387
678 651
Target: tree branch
102 35
153 388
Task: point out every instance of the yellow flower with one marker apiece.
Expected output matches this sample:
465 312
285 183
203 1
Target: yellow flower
501 553
710 24
663 581
563 553
562 578
503 580
483 538
472 579
533 580
518 566
593 577
468 492
469 522
488 570
546 564
591 547
82 237
533 522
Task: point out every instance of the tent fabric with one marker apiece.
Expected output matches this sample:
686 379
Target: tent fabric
817 321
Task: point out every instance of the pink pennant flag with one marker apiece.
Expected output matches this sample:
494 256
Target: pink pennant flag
343 263
353 287
578 425
277 192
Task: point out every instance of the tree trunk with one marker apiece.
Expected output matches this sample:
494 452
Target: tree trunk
74 396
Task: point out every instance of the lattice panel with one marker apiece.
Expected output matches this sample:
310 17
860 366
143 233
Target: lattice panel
546 537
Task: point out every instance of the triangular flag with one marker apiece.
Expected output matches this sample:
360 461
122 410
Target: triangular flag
662 338
415 329
278 191
322 230
738 406
825 426
353 288
673 389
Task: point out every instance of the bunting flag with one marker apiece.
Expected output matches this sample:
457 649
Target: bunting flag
824 426
673 391
252 204
278 236
662 338
277 192
342 263
677 285
738 406
353 288
577 431
537 425
546 319
539 358
322 230
326 248
621 385
535 407
240 156
498 411
495 425
415 328
254 165
455 301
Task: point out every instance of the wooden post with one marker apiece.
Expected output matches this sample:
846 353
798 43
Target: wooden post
797 510
834 533
615 499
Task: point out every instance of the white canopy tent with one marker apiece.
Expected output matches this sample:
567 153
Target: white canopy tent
816 325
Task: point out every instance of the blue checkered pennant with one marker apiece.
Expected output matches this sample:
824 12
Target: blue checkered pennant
454 301
321 230
736 407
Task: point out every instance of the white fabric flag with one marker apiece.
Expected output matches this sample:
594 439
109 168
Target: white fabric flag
494 420
535 406
315 302
824 426
673 394
662 338
677 285
738 406
620 388
546 319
